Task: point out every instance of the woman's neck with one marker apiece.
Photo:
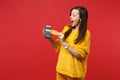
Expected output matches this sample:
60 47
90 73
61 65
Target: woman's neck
77 27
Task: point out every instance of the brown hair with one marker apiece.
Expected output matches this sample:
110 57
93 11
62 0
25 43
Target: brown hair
83 26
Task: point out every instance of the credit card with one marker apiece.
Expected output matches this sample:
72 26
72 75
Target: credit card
54 32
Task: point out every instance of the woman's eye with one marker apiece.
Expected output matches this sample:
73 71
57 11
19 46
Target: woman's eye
73 15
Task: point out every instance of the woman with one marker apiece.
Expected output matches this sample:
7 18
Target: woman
73 45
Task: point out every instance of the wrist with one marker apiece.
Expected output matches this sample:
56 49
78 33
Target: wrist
66 45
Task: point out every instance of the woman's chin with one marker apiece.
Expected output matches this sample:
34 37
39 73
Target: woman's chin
72 25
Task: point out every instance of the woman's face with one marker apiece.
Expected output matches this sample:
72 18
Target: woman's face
75 18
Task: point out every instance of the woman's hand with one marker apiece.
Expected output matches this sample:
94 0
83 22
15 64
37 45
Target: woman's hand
61 37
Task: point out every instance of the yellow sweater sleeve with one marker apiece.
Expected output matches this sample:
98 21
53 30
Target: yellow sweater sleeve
58 41
83 47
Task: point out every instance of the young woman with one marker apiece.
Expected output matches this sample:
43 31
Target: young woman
73 45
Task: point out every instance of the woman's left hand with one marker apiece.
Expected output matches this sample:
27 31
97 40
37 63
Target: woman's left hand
61 37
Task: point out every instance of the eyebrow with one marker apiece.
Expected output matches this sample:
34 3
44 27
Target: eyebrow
73 13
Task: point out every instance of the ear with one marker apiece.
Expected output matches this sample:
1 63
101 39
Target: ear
80 19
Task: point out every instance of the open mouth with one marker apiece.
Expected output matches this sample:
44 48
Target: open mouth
72 22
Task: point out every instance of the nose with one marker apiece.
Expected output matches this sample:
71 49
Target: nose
70 17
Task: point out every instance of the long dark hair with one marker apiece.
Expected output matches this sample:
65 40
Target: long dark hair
83 24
